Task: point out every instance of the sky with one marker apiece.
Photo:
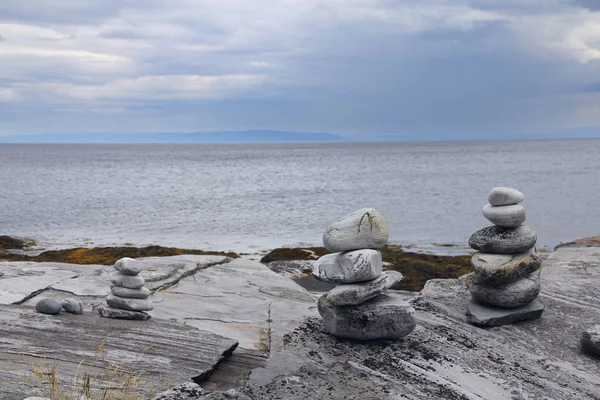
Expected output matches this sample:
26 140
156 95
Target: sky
357 68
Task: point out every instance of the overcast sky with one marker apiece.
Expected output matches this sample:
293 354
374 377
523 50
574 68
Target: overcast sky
437 68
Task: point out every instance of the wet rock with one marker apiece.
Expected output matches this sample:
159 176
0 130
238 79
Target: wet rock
363 229
110 312
74 306
358 293
504 196
508 295
505 216
48 306
129 304
590 339
498 240
128 266
349 267
484 315
496 269
387 316
185 391
127 281
141 293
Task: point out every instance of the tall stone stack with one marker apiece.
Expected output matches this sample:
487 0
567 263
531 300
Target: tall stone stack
505 282
128 298
360 307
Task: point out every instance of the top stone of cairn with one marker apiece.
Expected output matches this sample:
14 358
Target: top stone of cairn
504 196
128 266
363 229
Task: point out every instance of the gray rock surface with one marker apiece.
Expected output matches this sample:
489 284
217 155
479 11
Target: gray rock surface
504 196
590 339
185 391
349 267
484 315
509 295
117 313
128 266
74 306
141 293
127 281
497 240
495 269
358 293
129 304
505 216
363 229
48 306
387 316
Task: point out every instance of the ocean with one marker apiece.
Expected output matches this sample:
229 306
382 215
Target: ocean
249 197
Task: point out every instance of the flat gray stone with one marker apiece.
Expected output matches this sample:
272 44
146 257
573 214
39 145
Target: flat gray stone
185 391
387 316
117 313
363 229
590 339
505 216
127 281
48 306
485 315
128 266
141 293
496 269
504 196
129 304
509 295
357 293
497 240
349 267
74 306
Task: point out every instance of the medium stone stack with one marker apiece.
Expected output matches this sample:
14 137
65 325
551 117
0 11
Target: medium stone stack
359 308
505 282
128 298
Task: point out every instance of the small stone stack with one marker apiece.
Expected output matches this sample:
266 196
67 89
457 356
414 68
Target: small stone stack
128 298
505 282
358 308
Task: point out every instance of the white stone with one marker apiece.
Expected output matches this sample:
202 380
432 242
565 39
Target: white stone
74 306
363 229
141 293
357 293
504 196
505 216
349 267
127 281
128 266
129 304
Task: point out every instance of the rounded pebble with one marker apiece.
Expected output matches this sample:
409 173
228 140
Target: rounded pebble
48 306
505 196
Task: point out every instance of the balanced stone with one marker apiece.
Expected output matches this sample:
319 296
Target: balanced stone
505 216
363 229
386 316
141 293
358 293
349 267
74 306
128 266
590 339
508 295
129 304
496 269
497 240
483 315
109 312
48 306
127 281
503 196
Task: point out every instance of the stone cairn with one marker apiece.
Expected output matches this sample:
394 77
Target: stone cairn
128 298
505 282
358 308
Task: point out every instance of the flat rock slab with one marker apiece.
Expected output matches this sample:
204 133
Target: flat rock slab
484 315
161 351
